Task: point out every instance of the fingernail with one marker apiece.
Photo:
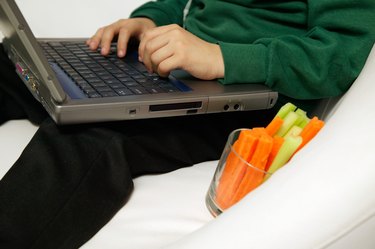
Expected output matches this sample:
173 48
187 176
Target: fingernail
120 53
92 45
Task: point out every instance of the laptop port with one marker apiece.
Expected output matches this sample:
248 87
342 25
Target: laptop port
192 111
132 112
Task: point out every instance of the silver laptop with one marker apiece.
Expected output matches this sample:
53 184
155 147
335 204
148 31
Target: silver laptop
76 85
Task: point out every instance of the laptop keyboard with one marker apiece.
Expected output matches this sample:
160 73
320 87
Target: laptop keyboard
105 76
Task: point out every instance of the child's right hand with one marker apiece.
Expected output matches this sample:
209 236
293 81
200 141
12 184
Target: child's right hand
124 29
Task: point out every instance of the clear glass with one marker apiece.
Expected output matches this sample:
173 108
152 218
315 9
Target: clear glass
233 178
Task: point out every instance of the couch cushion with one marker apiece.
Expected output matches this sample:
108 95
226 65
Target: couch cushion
321 198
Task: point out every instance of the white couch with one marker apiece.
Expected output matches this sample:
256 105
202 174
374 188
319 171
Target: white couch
323 198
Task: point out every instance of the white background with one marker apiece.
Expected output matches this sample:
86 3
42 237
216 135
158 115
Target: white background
72 18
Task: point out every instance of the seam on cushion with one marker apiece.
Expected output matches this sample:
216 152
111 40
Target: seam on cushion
72 195
334 238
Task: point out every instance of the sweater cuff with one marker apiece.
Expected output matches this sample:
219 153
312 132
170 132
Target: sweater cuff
244 63
157 15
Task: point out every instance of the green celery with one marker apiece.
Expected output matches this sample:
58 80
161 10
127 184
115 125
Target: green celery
290 120
286 109
294 131
303 119
286 151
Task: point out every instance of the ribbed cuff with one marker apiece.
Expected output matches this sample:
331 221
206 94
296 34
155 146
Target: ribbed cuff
244 63
158 15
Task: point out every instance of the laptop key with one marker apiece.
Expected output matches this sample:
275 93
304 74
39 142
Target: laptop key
126 79
89 91
94 95
108 94
98 84
138 90
116 85
101 89
93 80
131 84
123 91
155 90
85 86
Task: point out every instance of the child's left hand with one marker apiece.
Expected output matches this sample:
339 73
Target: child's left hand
163 49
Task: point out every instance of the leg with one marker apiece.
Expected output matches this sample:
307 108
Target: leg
65 186
165 144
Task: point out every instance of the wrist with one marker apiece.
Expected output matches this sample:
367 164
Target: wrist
219 69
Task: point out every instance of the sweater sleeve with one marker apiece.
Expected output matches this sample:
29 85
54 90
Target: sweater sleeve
162 12
321 63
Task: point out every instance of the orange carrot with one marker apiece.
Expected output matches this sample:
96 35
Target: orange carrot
254 175
310 130
240 146
277 142
235 168
274 125
258 131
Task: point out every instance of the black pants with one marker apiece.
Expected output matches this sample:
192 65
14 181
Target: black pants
71 180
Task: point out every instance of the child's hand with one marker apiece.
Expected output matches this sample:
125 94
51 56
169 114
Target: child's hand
125 29
170 47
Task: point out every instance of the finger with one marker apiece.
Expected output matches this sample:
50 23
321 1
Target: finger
166 66
94 41
150 35
122 42
107 37
159 56
158 43
109 33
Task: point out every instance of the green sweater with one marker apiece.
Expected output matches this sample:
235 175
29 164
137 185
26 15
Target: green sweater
304 49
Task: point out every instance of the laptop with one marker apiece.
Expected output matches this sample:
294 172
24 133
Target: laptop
77 85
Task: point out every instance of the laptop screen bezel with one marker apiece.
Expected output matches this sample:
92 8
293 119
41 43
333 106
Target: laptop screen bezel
18 35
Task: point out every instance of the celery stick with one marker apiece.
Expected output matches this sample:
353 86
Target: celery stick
303 119
300 112
285 109
304 122
286 151
289 121
294 131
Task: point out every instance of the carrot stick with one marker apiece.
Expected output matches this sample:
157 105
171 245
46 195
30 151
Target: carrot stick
310 130
254 175
235 168
240 146
259 131
277 143
274 125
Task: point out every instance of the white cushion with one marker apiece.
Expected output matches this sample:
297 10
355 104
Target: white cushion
14 135
322 198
